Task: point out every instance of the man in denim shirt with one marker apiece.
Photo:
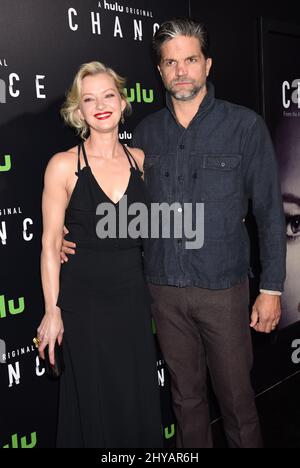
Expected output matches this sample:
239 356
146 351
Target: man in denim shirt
200 149
203 150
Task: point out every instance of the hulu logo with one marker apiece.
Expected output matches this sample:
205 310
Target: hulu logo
170 431
24 442
11 307
139 95
7 163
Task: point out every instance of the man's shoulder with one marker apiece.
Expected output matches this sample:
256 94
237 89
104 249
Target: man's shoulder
237 112
152 119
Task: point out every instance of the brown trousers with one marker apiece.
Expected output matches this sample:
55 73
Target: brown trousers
197 328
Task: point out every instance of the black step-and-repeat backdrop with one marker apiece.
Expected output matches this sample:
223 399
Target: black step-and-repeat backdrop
42 44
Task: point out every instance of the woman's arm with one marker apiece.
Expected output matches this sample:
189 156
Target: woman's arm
55 200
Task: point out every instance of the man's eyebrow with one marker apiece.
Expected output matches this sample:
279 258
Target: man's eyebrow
187 58
290 198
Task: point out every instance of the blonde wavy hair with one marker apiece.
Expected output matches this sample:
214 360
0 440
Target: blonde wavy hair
71 105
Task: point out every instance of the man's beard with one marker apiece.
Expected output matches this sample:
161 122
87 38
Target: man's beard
185 95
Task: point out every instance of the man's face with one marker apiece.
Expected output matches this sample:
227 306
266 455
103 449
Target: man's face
183 67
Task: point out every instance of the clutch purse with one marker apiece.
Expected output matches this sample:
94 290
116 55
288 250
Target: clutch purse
54 372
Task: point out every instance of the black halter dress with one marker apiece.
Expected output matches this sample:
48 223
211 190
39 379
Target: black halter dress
109 395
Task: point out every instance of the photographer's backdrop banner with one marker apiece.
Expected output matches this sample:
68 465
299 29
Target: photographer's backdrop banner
42 44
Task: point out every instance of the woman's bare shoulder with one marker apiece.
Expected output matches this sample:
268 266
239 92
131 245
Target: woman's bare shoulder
63 161
64 158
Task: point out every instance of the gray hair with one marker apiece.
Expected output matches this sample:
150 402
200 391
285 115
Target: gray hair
180 27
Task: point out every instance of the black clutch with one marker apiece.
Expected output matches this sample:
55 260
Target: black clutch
54 372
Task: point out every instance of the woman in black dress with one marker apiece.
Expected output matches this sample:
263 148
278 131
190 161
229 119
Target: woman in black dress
97 303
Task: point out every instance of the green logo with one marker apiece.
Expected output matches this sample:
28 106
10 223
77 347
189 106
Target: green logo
139 95
7 164
170 431
24 443
12 309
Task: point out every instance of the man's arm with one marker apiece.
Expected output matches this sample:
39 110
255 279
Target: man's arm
67 248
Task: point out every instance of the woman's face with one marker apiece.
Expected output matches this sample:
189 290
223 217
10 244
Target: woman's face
101 105
290 183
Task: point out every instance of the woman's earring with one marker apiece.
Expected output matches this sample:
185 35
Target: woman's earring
122 119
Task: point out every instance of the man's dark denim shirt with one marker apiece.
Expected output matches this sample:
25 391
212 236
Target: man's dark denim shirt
224 158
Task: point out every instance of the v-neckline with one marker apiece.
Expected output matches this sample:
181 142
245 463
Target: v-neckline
104 193
96 181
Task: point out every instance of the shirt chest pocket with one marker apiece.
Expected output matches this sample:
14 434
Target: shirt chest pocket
158 177
221 176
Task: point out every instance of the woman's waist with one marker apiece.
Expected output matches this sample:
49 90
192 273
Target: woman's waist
104 245
101 273
89 261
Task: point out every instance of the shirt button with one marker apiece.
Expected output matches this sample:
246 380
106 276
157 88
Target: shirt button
181 147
